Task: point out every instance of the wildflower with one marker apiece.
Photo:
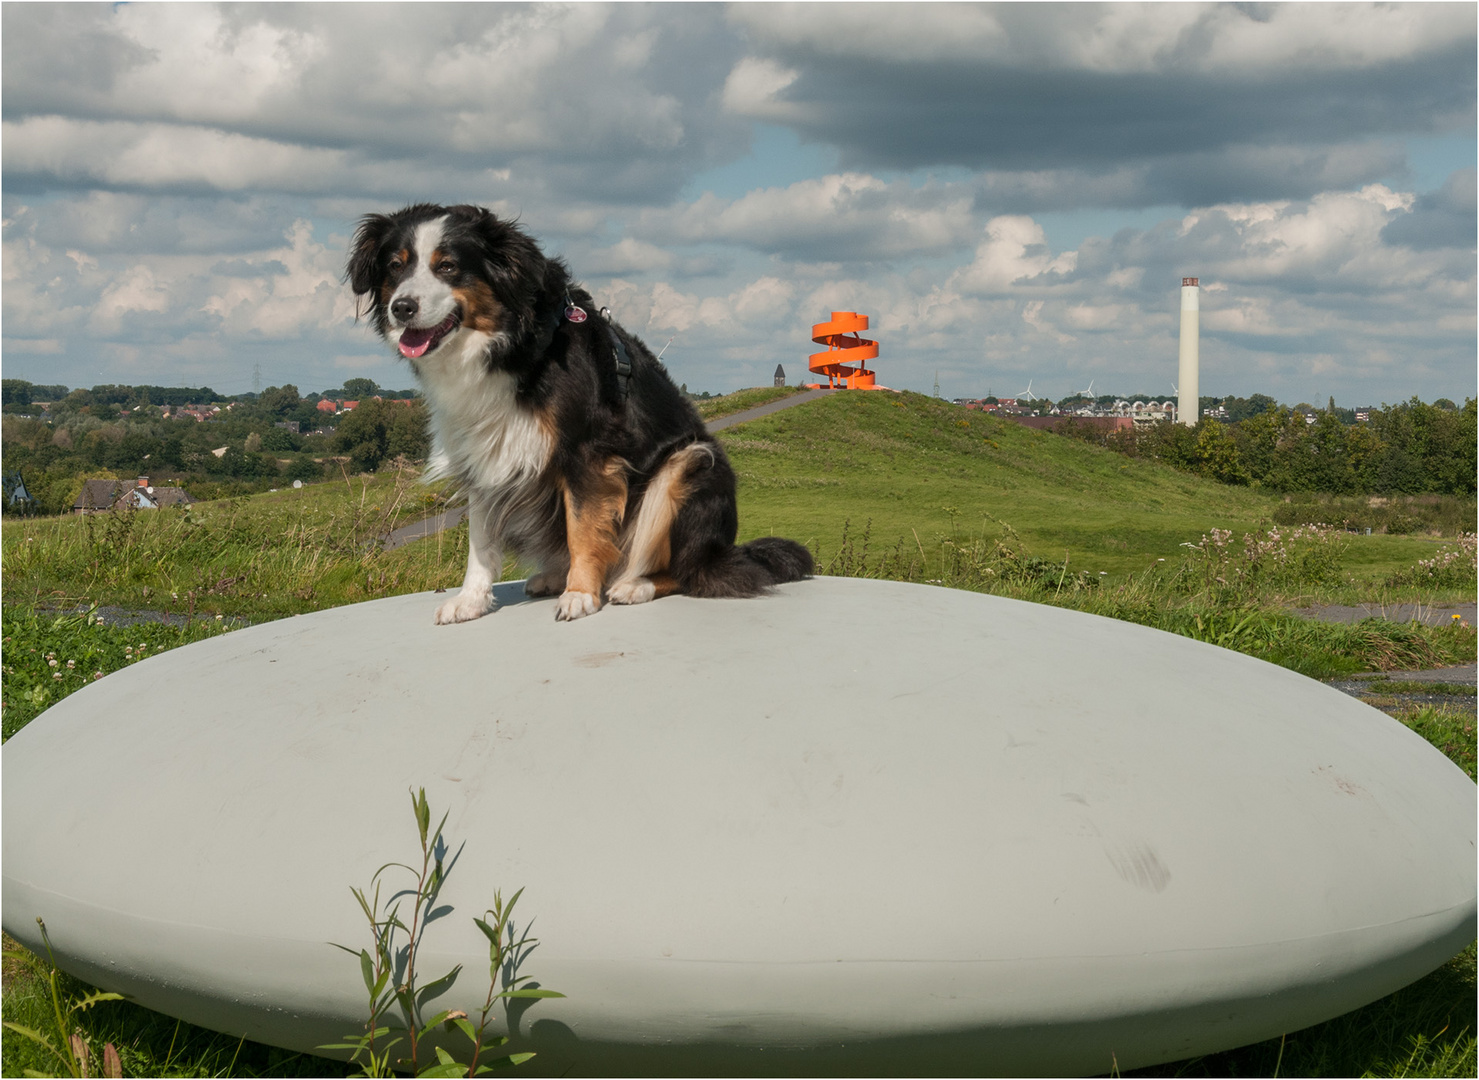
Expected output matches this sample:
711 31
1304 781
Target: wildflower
71 664
219 617
57 675
128 650
97 675
53 662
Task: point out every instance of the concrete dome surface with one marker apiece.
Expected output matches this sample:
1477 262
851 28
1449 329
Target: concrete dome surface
852 827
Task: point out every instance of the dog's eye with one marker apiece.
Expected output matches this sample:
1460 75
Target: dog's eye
447 268
395 263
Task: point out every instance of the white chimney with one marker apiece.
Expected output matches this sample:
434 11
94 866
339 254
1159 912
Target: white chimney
1188 410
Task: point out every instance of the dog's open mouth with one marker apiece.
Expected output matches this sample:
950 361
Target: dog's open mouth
418 341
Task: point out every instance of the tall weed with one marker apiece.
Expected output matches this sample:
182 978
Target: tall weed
1456 566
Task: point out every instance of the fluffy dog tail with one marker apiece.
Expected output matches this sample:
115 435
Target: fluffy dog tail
751 569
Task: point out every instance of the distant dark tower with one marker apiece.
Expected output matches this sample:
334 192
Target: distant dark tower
780 375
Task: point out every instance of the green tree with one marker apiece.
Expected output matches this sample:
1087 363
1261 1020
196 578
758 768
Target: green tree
359 389
377 431
1216 453
278 401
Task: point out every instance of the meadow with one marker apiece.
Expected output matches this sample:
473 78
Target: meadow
878 485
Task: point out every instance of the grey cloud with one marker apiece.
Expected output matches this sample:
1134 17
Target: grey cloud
1136 137
1444 218
614 103
36 35
106 222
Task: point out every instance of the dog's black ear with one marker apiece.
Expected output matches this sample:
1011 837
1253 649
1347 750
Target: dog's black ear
363 270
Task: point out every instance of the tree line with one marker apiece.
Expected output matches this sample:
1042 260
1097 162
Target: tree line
1411 448
121 432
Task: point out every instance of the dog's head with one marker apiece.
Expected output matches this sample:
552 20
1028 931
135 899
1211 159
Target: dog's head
426 274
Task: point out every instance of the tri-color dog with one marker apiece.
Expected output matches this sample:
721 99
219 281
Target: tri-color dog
572 443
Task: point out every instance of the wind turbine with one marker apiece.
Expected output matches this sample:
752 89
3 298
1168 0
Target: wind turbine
1088 391
1026 395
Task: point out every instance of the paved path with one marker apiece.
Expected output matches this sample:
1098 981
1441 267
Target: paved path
766 409
420 530
1432 614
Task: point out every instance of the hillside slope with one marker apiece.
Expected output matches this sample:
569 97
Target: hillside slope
902 461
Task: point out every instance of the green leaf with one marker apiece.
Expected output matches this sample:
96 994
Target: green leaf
423 814
32 1034
530 994
506 1062
367 969
92 999
432 989
486 929
452 1069
465 1026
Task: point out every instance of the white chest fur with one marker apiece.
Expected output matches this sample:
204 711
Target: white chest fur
480 434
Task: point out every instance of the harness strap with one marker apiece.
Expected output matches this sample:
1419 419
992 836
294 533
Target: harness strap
623 363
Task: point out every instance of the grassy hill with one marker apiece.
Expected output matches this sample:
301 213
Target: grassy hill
916 466
904 470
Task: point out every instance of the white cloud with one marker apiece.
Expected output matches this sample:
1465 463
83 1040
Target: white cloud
1014 253
1128 38
837 217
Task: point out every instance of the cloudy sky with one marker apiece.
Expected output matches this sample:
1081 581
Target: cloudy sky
1011 193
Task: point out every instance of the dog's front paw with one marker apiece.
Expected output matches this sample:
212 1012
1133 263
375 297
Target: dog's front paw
576 605
638 591
544 585
464 607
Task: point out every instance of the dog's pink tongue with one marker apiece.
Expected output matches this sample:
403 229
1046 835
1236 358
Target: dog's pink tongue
415 342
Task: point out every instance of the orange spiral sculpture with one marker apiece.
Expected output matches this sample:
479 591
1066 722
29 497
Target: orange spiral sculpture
844 346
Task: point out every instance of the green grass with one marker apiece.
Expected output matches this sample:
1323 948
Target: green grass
1387 685
909 468
258 557
1449 729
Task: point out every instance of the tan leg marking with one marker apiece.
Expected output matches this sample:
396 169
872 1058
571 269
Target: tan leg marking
592 526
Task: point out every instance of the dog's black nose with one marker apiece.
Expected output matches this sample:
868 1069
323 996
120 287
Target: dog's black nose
404 308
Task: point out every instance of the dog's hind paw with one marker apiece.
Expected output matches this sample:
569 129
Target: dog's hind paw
544 585
576 605
638 591
464 607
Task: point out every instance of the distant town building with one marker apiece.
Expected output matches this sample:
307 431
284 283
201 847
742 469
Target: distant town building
100 495
16 495
780 375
